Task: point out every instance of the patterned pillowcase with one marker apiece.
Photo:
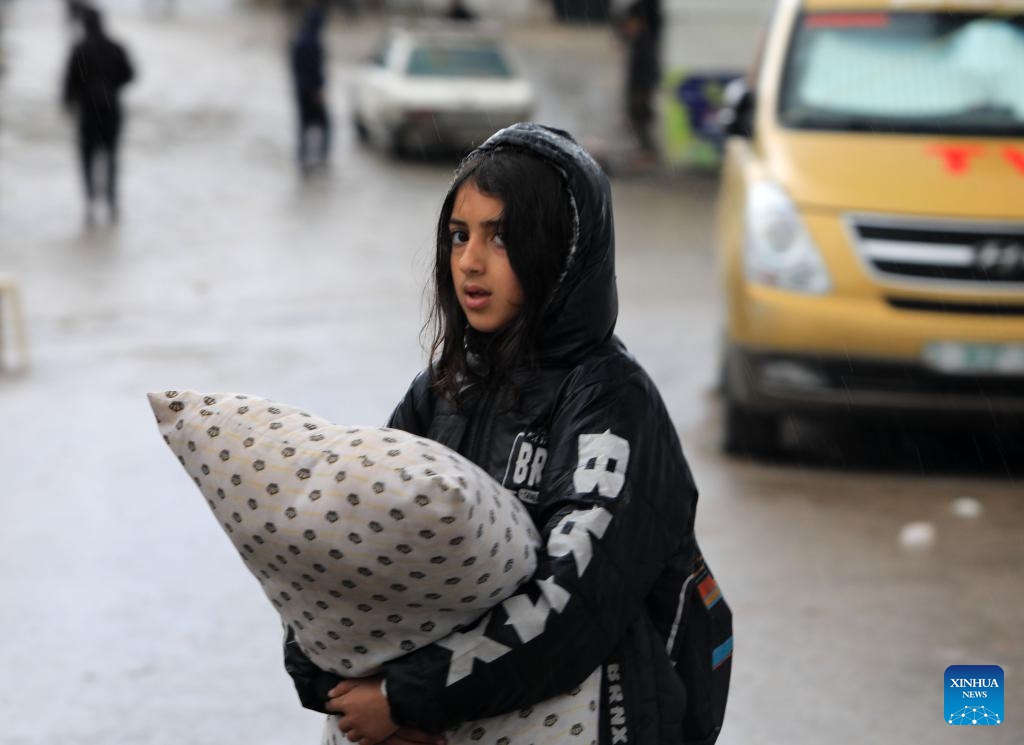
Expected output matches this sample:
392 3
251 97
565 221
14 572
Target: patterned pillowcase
369 542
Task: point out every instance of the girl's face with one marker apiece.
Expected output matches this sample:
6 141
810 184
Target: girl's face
485 285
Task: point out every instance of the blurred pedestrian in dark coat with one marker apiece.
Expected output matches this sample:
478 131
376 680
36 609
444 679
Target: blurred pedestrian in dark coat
97 70
308 63
641 28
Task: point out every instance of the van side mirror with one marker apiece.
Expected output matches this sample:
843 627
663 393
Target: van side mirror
736 116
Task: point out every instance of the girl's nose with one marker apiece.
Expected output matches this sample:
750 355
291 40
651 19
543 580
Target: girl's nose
471 261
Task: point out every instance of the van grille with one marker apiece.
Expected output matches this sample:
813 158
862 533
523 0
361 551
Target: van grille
946 251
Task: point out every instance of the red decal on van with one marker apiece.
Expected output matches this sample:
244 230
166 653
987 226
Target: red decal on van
847 20
956 157
1016 157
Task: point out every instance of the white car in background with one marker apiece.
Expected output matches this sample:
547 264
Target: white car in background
444 87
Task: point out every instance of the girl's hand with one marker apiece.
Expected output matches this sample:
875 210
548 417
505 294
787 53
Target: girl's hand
365 714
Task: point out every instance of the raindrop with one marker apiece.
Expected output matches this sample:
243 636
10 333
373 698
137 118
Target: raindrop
966 507
917 536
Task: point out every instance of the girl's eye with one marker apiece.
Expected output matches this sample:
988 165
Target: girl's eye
499 239
459 237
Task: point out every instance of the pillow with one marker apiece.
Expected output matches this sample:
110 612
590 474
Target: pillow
370 542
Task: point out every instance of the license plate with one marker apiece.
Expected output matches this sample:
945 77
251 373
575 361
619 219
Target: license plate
959 358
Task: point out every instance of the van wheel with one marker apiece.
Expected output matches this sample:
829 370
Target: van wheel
750 434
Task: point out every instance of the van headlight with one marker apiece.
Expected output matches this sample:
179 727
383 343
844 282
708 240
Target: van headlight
778 251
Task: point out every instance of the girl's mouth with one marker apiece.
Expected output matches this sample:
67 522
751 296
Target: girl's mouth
475 297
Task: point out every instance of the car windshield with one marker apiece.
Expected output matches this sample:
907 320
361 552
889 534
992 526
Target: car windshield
947 73
454 61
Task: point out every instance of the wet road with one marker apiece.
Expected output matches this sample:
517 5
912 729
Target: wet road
126 616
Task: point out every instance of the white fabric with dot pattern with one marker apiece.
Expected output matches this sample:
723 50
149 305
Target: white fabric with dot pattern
369 542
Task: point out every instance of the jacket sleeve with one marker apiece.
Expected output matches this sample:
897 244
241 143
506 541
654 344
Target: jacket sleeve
415 411
617 504
312 683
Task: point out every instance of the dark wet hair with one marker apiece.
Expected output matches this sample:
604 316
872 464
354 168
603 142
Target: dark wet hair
538 231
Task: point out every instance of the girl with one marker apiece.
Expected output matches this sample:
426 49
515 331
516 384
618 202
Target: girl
529 381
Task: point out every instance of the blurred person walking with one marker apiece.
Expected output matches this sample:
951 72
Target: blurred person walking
308 60
641 27
97 70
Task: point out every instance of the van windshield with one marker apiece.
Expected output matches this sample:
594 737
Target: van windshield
917 72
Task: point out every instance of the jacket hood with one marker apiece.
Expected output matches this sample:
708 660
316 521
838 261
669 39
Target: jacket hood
584 306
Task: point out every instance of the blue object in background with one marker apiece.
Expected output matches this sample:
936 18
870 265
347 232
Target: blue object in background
693 135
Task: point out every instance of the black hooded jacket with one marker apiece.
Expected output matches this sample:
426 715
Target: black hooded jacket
590 450
95 73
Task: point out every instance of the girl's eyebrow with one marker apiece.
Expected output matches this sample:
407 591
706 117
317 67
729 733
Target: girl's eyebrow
494 222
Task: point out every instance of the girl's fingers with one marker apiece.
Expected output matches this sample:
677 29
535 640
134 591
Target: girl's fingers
352 737
341 689
348 729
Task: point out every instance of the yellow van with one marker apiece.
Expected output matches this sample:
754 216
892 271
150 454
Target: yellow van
870 220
